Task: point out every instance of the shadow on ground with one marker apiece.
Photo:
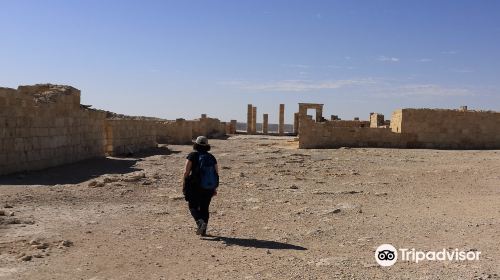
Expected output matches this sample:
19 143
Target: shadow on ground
255 243
72 173
82 171
160 150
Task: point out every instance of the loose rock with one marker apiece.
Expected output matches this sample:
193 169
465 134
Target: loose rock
35 241
380 193
176 197
26 258
332 211
41 246
66 243
135 178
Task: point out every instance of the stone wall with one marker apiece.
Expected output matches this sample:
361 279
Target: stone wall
174 132
396 121
327 135
410 128
346 123
376 120
450 129
126 136
43 126
231 127
209 127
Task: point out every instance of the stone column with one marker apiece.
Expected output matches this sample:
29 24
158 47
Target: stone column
233 126
249 118
296 123
281 127
254 120
265 123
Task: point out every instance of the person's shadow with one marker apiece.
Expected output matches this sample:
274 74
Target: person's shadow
254 243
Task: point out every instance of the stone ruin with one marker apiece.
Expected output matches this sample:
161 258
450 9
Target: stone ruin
408 128
252 121
45 125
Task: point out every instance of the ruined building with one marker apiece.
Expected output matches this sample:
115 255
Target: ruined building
408 128
252 121
45 125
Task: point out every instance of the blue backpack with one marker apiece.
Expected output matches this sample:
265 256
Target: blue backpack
209 179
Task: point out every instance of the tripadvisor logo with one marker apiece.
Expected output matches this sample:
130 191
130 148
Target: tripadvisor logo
387 255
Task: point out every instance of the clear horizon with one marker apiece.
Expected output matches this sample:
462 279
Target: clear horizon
179 59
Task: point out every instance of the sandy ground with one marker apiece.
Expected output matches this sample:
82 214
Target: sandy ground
281 213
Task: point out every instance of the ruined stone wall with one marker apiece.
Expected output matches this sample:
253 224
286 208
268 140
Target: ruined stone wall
128 136
396 121
328 135
209 127
174 132
410 128
43 126
346 123
231 127
449 129
376 120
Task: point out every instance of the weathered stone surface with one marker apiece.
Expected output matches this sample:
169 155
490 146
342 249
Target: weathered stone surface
409 128
44 125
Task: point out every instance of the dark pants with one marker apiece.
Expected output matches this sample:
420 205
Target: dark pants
199 204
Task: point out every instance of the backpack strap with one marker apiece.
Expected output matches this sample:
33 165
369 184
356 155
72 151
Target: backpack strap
195 166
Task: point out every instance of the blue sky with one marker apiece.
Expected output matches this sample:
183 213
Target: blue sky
182 58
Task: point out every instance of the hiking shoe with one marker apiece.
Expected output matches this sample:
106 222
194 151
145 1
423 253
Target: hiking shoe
202 227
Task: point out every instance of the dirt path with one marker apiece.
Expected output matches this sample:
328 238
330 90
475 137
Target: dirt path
281 213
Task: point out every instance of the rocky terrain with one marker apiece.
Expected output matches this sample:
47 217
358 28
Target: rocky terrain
281 213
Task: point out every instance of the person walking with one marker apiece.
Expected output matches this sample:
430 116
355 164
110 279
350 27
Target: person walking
201 179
